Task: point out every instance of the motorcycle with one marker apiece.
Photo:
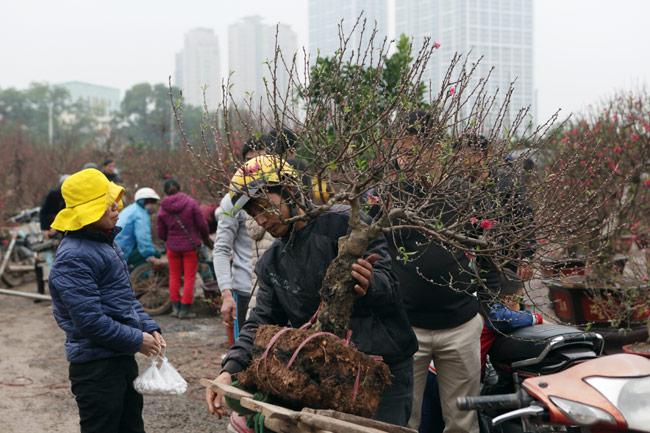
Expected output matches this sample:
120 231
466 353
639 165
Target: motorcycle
531 352
601 395
537 355
24 248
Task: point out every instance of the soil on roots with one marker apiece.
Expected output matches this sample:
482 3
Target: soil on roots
322 376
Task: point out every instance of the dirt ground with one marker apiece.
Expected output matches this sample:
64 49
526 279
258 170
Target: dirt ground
35 391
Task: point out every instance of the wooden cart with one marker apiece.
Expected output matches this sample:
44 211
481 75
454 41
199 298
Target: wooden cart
283 420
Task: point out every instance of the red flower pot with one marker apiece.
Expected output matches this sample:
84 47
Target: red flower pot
628 349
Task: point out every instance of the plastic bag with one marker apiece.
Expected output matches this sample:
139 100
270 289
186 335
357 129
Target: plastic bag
172 378
163 380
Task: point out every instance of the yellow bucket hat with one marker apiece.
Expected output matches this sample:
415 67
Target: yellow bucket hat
87 194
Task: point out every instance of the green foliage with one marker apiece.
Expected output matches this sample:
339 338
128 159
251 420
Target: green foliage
137 137
28 111
359 93
146 119
405 255
397 66
388 77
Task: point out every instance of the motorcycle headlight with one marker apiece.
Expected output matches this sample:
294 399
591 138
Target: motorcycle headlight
630 395
581 413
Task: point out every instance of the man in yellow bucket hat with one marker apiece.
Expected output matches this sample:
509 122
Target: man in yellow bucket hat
94 304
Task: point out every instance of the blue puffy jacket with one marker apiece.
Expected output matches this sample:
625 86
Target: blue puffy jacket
502 319
136 231
92 298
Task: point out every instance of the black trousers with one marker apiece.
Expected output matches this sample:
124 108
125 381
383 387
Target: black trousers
104 391
40 284
397 398
242 308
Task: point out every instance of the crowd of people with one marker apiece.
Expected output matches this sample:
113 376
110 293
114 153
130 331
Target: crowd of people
269 272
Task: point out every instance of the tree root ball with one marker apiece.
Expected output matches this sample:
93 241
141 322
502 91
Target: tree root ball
322 376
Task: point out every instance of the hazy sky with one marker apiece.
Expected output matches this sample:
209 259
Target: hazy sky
584 49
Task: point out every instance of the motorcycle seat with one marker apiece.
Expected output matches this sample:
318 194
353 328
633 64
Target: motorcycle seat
531 344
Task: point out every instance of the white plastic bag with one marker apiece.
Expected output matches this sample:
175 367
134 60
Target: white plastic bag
163 380
149 382
172 378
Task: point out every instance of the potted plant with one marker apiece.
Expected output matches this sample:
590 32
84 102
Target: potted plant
353 125
613 144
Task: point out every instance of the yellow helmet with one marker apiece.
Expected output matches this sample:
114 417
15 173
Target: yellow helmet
258 173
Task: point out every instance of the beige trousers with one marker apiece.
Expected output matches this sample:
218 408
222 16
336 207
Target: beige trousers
457 355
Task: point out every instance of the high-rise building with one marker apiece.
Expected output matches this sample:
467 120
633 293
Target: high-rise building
501 31
197 66
177 79
251 50
288 44
326 15
101 99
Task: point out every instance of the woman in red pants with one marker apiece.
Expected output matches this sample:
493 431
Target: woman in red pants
182 226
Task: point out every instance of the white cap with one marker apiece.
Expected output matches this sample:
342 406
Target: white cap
146 193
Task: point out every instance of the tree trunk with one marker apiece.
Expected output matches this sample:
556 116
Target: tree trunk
337 293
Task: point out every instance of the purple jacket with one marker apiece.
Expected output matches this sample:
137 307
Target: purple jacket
188 211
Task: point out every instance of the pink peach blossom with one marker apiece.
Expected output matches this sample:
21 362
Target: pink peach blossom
254 168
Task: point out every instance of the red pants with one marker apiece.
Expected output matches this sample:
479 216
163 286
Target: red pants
182 263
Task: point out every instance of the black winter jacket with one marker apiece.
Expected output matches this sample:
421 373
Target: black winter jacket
290 274
435 280
436 284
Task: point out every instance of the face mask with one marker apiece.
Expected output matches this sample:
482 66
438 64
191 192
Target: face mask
150 208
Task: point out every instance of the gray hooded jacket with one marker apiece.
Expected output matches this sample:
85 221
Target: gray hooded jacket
232 238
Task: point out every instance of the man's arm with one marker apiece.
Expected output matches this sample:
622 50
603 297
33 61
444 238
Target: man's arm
148 324
384 287
225 239
161 228
226 232
142 232
502 319
202 225
267 311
